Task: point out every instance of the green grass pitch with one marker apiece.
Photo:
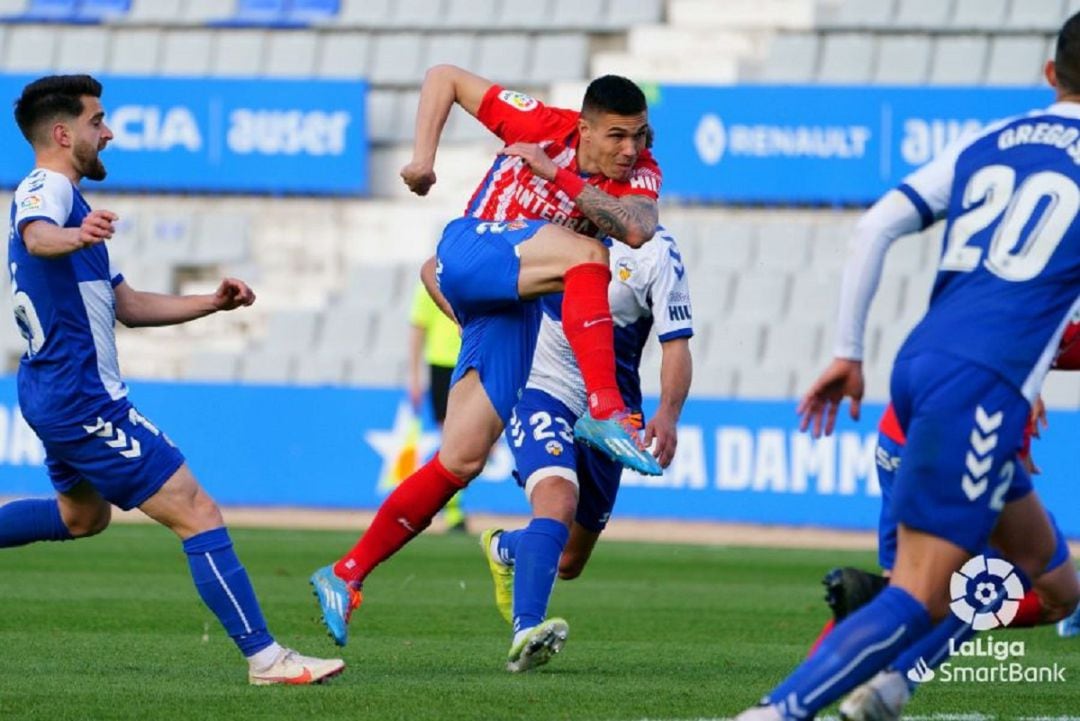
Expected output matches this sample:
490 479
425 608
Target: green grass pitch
111 628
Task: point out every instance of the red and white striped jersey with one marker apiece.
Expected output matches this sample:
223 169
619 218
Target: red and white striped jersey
511 191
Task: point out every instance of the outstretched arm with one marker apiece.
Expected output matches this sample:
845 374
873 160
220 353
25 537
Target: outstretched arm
443 86
135 308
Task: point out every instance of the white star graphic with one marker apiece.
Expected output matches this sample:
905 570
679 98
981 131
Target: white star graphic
388 443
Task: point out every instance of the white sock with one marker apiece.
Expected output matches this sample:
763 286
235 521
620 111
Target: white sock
493 547
262 659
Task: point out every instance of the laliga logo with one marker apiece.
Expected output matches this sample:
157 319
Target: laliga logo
985 593
710 139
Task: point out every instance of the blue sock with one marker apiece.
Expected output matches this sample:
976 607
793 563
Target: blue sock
931 650
29 520
226 590
508 543
536 565
859 647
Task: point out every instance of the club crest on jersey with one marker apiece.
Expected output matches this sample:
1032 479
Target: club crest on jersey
554 448
519 101
624 269
30 202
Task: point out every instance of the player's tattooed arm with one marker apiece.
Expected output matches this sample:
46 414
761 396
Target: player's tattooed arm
631 219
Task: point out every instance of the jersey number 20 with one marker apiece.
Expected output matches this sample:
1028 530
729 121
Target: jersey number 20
1053 196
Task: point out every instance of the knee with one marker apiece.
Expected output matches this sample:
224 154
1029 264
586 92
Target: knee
570 566
89 522
206 513
463 467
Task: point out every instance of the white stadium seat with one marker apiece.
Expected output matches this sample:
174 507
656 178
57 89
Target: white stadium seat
186 52
846 58
792 58
135 51
291 54
863 14
238 53
1043 15
1016 60
958 60
30 49
343 55
978 15
902 60
396 59
81 50
923 14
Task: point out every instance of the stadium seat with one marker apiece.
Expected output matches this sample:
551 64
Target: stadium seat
30 49
186 52
343 55
372 14
958 60
726 244
760 296
312 12
576 14
1043 15
862 15
221 238
155 12
902 60
765 383
202 12
504 57
417 14
469 14
238 53
269 368
846 58
923 14
291 53
451 48
384 116
396 59
524 15
290 330
321 369
1016 60
816 296
212 366
168 236
391 334
792 58
81 49
563 56
371 286
782 247
346 332
626 14
791 343
378 372
134 51
102 10
51 10
986 15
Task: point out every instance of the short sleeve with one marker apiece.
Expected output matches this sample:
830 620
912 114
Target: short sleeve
114 272
43 195
516 117
672 311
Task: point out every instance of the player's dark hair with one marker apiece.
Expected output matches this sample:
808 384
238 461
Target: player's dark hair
613 94
1067 55
52 97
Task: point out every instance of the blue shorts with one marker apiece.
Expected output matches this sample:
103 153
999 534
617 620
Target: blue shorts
888 457
124 456
477 271
541 437
964 426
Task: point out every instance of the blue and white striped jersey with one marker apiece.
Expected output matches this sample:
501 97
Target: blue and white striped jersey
1009 276
65 308
648 287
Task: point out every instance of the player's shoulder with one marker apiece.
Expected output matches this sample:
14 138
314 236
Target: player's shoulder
530 107
42 181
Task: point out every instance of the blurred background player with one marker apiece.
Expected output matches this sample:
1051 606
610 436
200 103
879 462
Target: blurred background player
570 486
434 341
561 169
964 381
99 449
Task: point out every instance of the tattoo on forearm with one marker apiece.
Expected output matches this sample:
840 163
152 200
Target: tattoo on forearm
618 217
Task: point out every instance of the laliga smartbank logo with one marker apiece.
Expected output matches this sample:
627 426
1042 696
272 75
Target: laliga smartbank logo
985 595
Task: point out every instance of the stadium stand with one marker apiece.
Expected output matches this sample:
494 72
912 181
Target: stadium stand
333 274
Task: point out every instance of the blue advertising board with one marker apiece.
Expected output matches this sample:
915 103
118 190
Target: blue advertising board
738 461
813 144
176 135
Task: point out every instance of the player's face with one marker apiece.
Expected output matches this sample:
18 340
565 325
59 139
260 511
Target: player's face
91 136
614 142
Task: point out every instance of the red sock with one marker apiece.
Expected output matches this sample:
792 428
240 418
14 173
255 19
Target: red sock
406 512
825 631
1030 612
586 318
